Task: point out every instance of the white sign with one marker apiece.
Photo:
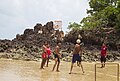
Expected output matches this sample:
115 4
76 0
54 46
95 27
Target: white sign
57 24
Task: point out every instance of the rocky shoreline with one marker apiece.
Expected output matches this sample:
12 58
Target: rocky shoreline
88 56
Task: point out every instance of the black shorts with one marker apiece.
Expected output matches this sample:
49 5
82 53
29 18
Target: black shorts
76 57
56 56
103 59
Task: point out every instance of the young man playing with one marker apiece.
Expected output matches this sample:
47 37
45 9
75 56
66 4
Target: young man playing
57 56
44 55
103 55
48 50
77 52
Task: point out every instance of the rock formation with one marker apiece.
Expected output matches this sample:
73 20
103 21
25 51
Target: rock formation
27 46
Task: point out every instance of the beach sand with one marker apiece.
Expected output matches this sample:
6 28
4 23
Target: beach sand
17 70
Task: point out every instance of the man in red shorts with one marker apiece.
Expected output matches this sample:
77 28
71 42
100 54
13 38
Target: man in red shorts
44 54
48 51
103 55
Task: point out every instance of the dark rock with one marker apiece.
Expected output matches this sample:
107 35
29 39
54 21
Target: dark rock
37 28
28 31
27 46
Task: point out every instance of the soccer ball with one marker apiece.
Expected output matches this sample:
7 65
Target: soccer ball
78 41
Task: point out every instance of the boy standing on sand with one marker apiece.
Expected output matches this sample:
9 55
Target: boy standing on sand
48 50
57 56
44 55
103 55
77 52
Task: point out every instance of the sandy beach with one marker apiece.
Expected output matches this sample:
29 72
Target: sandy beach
17 70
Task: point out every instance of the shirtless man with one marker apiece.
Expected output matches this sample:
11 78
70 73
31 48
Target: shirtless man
44 55
57 56
77 52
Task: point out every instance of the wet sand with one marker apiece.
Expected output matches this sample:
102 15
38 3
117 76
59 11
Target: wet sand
17 70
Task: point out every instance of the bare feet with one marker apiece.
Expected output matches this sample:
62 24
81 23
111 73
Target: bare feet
83 72
57 70
41 68
101 67
70 73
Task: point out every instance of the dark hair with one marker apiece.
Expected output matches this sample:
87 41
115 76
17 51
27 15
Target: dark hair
45 41
58 42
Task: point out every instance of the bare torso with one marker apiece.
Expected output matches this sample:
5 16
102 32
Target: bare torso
77 49
57 49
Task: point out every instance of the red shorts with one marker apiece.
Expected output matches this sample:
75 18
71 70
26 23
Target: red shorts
44 55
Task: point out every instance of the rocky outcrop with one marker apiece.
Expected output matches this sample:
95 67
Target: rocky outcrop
27 46
93 39
96 37
40 34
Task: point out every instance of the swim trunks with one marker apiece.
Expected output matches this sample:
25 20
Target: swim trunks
76 57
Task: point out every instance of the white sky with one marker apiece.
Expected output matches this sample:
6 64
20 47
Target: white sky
17 15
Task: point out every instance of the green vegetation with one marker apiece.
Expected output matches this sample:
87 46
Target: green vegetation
74 26
102 14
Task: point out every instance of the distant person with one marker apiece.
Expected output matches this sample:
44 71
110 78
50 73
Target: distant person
57 57
44 54
48 50
77 53
103 55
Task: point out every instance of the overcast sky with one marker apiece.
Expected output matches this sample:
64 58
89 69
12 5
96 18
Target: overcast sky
17 15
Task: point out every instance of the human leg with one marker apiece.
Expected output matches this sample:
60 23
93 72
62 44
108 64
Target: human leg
104 61
102 64
47 61
42 63
82 67
58 64
54 64
71 68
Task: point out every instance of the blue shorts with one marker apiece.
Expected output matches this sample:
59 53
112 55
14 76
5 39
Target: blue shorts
76 57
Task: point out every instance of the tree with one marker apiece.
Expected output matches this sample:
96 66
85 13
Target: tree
98 5
102 13
118 17
74 26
